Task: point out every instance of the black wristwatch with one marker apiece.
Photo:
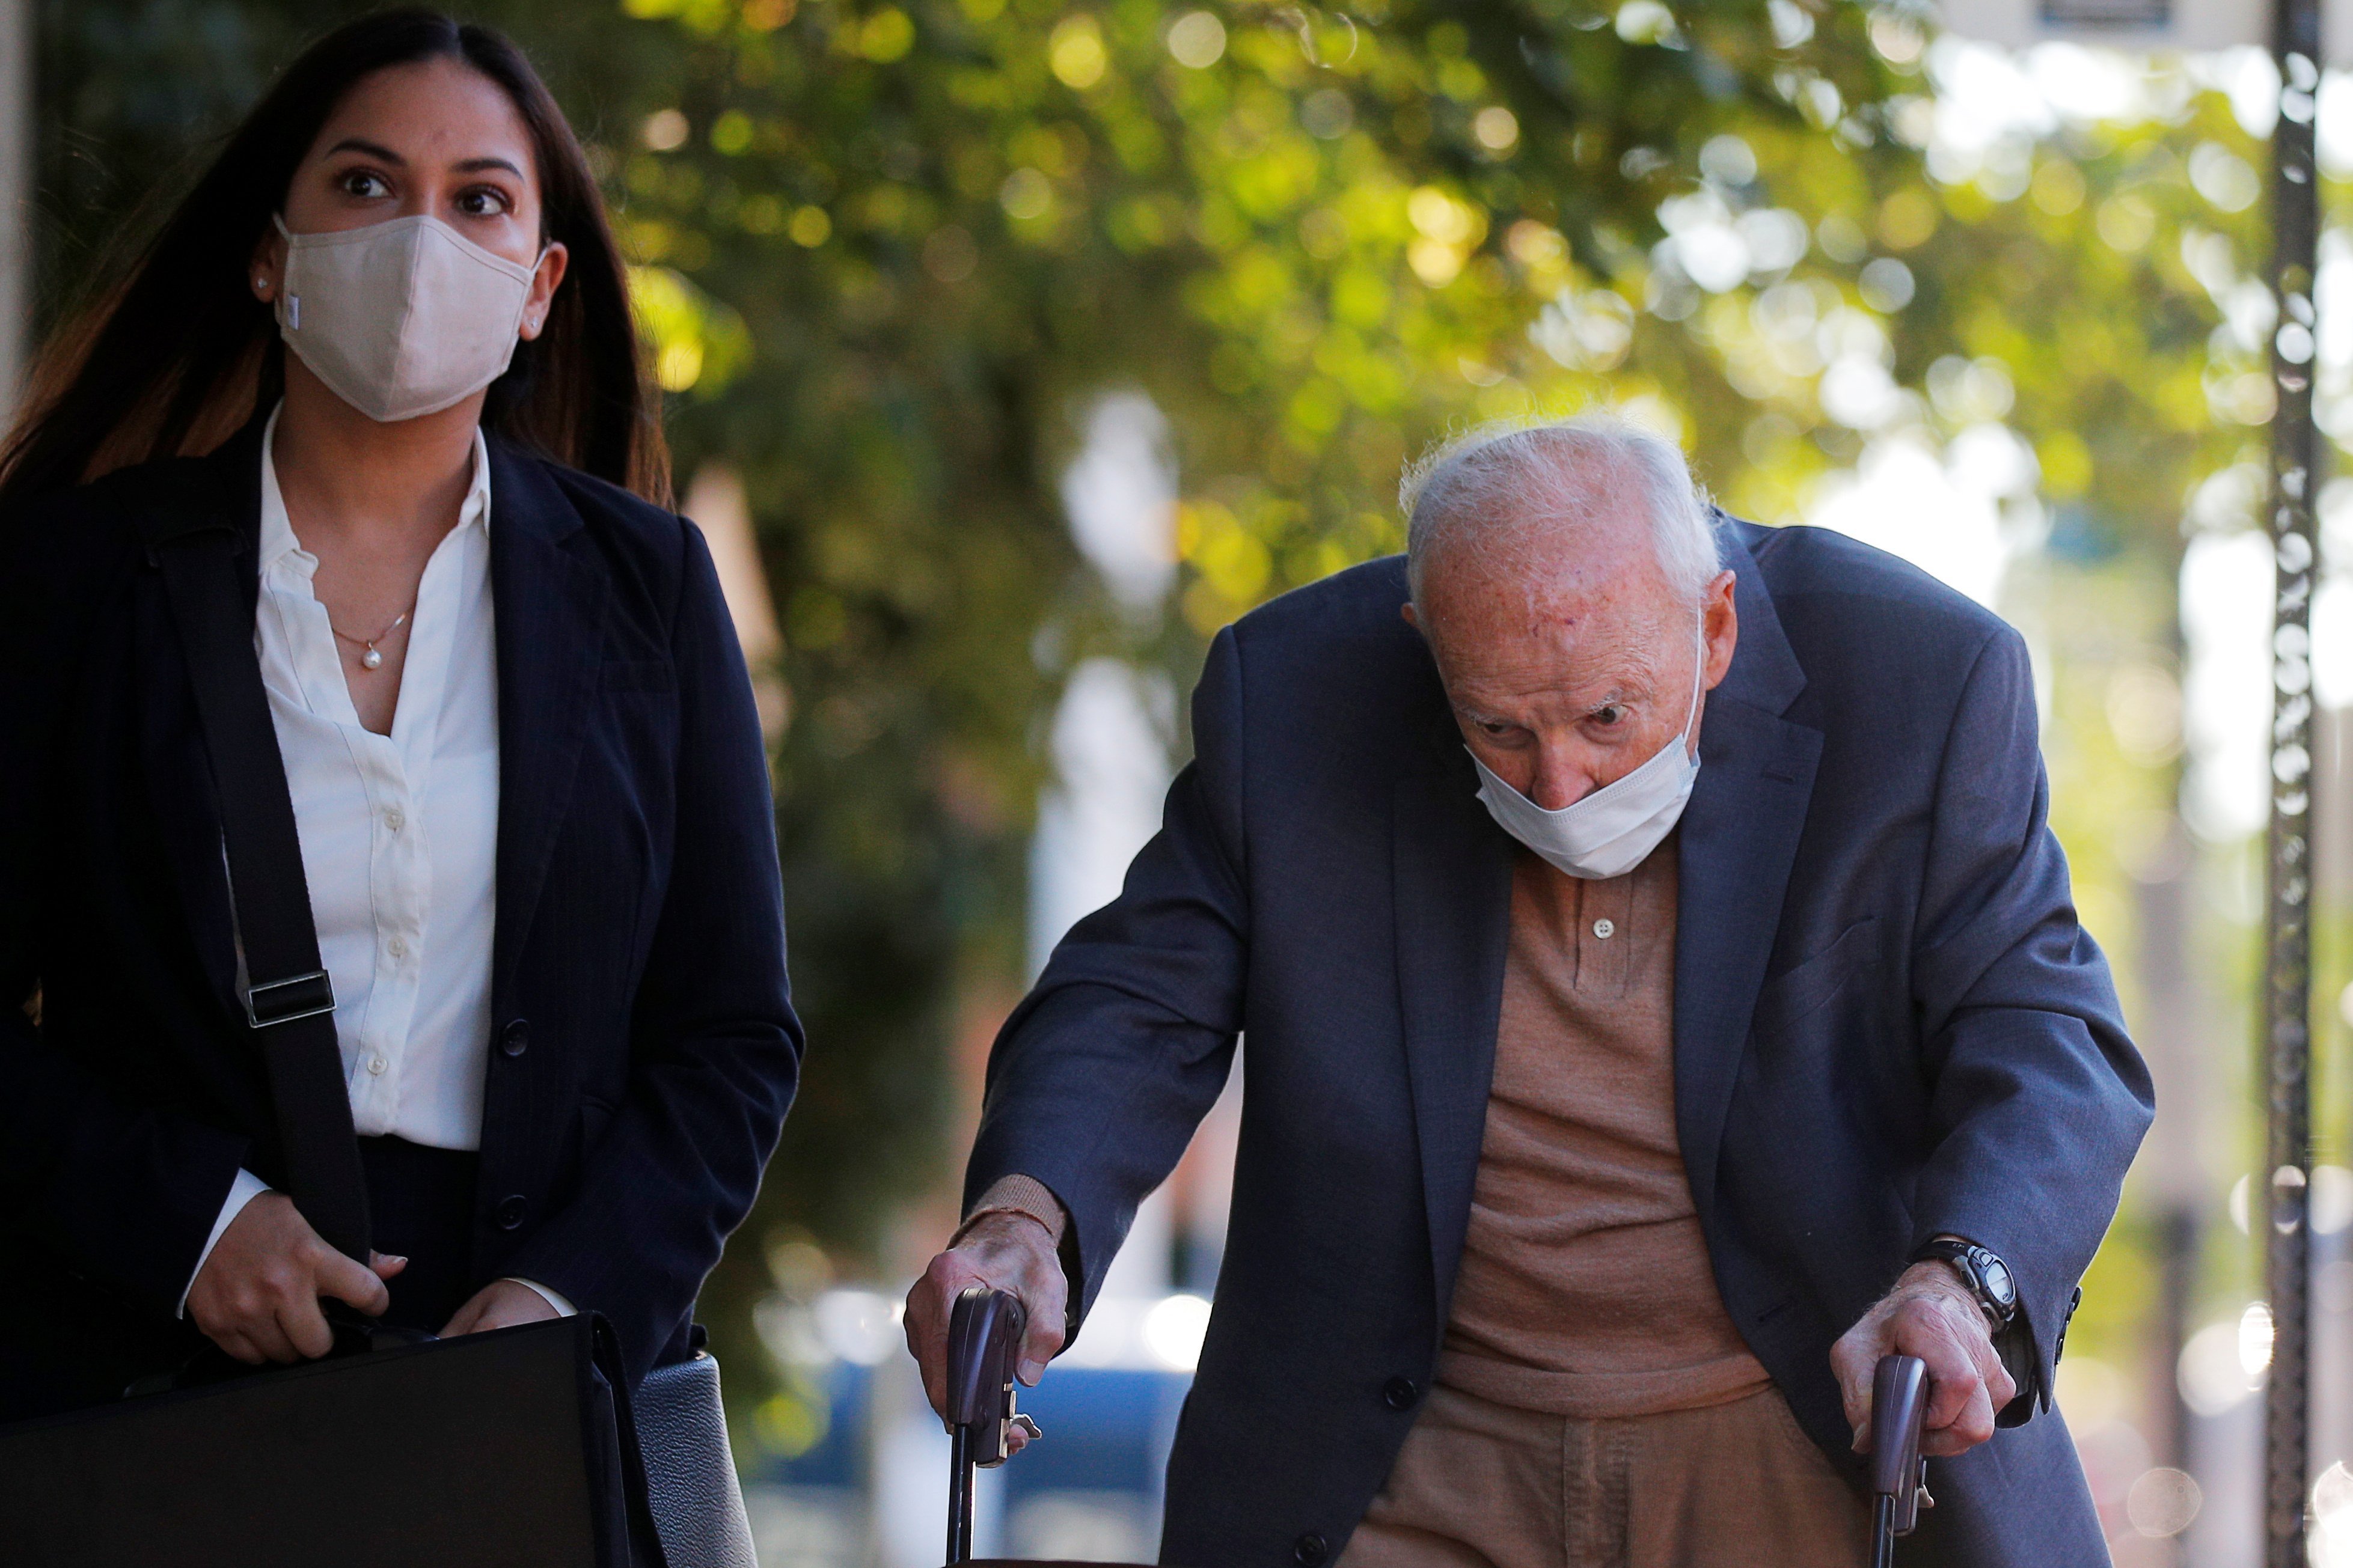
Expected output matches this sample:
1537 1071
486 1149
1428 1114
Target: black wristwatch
1988 1278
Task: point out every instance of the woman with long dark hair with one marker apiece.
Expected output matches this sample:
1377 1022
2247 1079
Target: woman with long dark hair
385 342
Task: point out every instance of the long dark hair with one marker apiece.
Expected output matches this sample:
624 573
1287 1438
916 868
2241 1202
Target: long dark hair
177 354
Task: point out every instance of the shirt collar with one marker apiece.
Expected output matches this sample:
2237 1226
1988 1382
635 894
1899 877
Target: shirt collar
277 538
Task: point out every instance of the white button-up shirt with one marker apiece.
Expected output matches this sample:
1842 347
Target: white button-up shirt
399 832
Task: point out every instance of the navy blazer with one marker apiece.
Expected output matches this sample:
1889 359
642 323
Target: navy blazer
647 1049
1888 1026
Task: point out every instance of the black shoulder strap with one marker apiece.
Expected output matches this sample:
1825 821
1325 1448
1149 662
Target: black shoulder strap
287 1000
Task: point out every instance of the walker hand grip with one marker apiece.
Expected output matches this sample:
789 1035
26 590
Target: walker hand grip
984 1333
1899 1404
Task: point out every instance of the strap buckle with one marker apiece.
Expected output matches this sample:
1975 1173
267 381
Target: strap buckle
284 1001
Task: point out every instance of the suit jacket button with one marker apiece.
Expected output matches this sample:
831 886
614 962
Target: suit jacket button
515 1038
1309 1550
510 1211
1400 1393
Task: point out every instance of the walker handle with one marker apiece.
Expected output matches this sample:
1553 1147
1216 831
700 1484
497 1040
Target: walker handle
1899 1476
984 1334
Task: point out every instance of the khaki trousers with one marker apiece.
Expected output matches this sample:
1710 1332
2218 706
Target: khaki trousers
1478 1485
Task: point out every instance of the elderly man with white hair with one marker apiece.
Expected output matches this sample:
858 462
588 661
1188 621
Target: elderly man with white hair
1663 998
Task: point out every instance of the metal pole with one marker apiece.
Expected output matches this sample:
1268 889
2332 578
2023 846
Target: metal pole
960 1480
2287 955
2175 1036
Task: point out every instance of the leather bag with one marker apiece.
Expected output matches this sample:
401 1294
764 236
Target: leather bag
690 1469
507 1449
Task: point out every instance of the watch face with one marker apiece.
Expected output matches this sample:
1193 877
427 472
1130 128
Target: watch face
1996 1275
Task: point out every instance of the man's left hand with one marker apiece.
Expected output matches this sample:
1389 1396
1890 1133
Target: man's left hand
501 1304
1931 1315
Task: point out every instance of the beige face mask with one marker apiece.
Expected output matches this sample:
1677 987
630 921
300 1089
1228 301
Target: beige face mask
403 318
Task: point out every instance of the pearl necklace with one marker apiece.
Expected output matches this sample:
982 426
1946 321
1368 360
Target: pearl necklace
371 660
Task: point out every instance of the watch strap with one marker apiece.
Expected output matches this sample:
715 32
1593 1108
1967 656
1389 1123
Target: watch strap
1964 1258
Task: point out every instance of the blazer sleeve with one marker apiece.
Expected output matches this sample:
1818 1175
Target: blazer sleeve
714 1044
2039 1099
1099 1077
126 1194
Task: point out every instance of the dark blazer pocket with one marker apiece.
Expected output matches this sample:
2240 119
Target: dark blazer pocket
638 675
1795 994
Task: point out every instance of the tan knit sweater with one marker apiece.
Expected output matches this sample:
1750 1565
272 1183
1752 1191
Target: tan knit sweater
1585 1288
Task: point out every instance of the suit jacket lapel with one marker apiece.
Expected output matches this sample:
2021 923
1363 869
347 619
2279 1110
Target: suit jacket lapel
548 596
178 774
1739 837
1453 872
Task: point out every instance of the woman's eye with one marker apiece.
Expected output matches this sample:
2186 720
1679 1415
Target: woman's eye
482 203
365 185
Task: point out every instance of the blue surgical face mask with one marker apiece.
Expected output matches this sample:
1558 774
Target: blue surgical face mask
1608 832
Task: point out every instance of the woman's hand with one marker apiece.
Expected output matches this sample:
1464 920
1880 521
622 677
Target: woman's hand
257 1296
501 1304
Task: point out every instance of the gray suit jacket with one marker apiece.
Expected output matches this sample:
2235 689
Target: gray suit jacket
1888 1026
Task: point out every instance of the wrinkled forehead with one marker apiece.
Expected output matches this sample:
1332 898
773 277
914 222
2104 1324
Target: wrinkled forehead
1526 571
1566 617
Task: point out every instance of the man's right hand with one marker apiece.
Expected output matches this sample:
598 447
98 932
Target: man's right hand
1005 1252
257 1296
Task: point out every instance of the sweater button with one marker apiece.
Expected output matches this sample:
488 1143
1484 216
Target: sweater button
510 1211
1309 1550
1400 1393
515 1038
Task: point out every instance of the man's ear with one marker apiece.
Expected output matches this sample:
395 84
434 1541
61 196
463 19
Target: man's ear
1411 619
1720 617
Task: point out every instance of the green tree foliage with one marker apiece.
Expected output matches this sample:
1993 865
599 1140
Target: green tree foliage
1314 237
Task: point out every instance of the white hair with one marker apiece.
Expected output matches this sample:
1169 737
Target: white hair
1493 488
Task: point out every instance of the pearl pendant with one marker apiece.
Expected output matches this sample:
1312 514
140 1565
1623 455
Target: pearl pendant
371 660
